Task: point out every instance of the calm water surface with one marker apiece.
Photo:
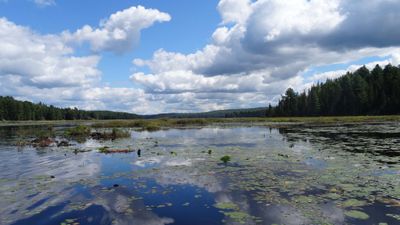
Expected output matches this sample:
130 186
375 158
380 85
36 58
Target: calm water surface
294 175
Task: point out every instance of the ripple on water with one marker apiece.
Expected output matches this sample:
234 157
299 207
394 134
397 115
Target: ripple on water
296 175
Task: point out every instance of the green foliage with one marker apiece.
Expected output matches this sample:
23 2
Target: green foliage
357 214
118 133
44 133
78 131
363 92
108 150
169 123
226 206
11 109
115 133
186 122
104 149
152 127
225 159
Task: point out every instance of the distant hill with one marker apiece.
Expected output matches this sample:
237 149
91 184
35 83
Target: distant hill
229 113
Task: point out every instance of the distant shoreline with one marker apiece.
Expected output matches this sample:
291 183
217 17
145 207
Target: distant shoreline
185 122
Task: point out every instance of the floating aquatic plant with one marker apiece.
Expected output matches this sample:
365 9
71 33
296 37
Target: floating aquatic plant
225 159
357 214
353 203
78 131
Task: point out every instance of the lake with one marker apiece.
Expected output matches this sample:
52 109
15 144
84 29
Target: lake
283 174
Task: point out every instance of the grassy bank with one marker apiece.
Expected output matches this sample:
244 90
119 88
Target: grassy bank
155 124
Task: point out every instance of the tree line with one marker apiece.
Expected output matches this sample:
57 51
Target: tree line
12 109
363 92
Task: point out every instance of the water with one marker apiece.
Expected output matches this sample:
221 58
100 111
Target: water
291 175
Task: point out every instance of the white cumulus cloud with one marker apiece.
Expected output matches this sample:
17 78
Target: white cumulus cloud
263 47
120 32
45 67
42 60
259 48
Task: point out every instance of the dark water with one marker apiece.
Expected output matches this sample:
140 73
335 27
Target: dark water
295 175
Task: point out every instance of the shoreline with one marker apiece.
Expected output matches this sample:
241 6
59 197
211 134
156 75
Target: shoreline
187 122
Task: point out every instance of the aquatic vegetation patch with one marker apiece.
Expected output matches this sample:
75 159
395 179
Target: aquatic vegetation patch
114 134
394 216
315 174
78 131
233 212
42 142
357 214
353 203
82 131
225 159
270 121
70 222
107 150
152 127
303 199
226 206
238 216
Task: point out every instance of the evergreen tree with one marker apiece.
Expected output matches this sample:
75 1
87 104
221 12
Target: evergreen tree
359 93
11 109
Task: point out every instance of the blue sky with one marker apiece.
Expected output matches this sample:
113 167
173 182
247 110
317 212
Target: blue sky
198 17
155 56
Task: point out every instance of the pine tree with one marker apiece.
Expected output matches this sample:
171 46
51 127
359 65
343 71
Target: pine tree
359 93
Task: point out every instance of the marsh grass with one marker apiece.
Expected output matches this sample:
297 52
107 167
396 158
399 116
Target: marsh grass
157 124
82 131
33 135
119 133
115 133
37 132
78 131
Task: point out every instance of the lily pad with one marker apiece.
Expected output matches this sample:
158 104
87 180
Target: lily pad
226 206
353 203
357 214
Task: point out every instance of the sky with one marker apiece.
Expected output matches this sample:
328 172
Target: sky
158 56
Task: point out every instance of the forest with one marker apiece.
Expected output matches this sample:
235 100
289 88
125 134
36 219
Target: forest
12 109
362 92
